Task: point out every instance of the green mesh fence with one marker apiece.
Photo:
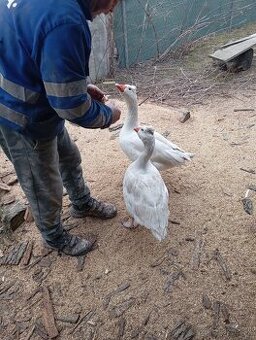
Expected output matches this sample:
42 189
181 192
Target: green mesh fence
145 29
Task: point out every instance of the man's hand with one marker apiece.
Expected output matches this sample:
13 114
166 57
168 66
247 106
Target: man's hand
96 93
116 112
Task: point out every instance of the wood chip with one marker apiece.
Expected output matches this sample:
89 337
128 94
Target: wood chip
184 116
216 316
4 187
12 180
159 261
217 256
28 216
206 302
170 282
30 333
69 318
84 318
14 255
33 294
40 330
196 257
182 331
225 313
48 314
27 254
39 258
5 288
121 327
233 328
7 200
122 307
119 289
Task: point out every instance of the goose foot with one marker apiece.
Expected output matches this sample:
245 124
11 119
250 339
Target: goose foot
130 223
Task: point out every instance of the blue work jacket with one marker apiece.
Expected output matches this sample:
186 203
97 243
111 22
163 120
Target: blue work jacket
44 55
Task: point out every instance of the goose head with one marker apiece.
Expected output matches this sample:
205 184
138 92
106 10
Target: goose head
146 134
129 93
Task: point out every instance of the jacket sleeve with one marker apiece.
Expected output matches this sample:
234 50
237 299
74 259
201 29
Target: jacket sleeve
64 63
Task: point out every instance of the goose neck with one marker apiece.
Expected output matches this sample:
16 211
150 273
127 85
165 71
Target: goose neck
131 119
144 158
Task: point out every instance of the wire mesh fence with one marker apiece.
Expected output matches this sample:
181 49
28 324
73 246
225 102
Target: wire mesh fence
146 29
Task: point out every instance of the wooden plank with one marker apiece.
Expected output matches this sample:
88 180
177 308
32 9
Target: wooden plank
229 53
48 314
230 43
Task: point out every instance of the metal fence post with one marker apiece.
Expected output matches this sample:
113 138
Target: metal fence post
126 54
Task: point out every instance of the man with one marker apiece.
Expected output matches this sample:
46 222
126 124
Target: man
44 55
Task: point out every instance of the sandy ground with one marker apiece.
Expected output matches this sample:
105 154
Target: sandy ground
134 286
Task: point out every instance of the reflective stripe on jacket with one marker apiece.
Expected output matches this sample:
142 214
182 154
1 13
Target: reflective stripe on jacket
44 54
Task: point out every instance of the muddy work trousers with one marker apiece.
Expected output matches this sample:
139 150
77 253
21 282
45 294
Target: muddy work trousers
43 168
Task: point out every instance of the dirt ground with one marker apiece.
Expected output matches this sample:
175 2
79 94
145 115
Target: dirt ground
199 283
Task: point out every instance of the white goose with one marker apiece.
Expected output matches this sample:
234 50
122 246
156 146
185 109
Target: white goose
165 155
145 194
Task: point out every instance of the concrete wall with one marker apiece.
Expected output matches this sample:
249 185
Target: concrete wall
102 47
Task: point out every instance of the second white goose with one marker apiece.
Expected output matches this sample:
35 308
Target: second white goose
145 194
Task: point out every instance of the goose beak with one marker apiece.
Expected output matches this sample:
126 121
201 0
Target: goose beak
136 129
120 87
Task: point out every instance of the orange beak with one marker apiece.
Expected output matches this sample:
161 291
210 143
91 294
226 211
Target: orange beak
121 87
136 129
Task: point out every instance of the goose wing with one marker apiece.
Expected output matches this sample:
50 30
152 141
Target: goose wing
164 140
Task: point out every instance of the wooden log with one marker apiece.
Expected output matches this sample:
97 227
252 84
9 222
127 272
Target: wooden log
12 216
